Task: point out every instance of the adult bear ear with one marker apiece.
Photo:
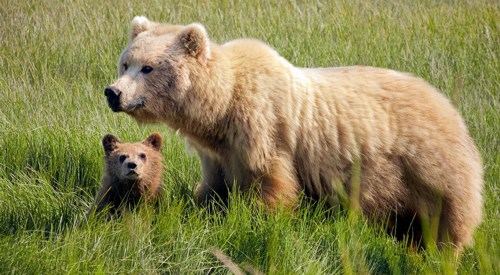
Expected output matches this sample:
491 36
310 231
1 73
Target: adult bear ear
194 39
109 143
154 141
137 25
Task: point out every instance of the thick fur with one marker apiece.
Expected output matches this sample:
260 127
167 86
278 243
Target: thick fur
132 171
257 121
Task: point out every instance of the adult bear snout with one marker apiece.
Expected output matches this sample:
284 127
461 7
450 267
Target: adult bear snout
113 96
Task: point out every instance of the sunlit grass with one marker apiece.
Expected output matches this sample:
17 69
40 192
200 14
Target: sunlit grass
56 59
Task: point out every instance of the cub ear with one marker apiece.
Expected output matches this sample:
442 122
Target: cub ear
139 24
109 143
194 39
154 141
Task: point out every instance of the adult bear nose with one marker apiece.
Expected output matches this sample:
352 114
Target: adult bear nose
113 96
111 92
131 165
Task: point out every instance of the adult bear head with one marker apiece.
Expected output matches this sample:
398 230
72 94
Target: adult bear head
172 74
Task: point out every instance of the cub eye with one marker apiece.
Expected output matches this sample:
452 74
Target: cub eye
146 69
125 66
142 156
122 158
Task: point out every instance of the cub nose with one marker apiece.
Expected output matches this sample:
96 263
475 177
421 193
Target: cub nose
131 165
113 96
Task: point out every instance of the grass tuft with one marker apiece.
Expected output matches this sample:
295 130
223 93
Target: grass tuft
56 59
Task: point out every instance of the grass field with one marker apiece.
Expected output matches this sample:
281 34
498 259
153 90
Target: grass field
56 58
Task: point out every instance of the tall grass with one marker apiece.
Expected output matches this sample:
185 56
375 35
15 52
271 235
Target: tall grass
57 57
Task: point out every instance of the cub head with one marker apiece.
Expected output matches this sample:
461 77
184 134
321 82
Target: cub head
133 161
157 68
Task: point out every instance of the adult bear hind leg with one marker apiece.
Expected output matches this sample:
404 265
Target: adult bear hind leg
447 195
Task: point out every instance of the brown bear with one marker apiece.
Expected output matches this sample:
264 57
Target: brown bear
258 122
132 172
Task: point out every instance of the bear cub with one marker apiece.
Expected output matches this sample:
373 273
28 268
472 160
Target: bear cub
132 172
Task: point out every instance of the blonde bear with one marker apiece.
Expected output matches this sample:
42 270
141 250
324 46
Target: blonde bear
258 122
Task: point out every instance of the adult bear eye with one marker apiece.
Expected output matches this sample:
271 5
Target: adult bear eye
122 158
146 69
142 156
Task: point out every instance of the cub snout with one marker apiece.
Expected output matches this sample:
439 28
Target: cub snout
132 168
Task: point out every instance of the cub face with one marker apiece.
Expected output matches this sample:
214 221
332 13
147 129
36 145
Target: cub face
132 161
155 69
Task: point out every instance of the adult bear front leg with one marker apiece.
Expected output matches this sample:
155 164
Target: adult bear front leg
280 187
213 185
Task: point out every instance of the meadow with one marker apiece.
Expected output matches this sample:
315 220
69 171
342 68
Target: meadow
56 58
